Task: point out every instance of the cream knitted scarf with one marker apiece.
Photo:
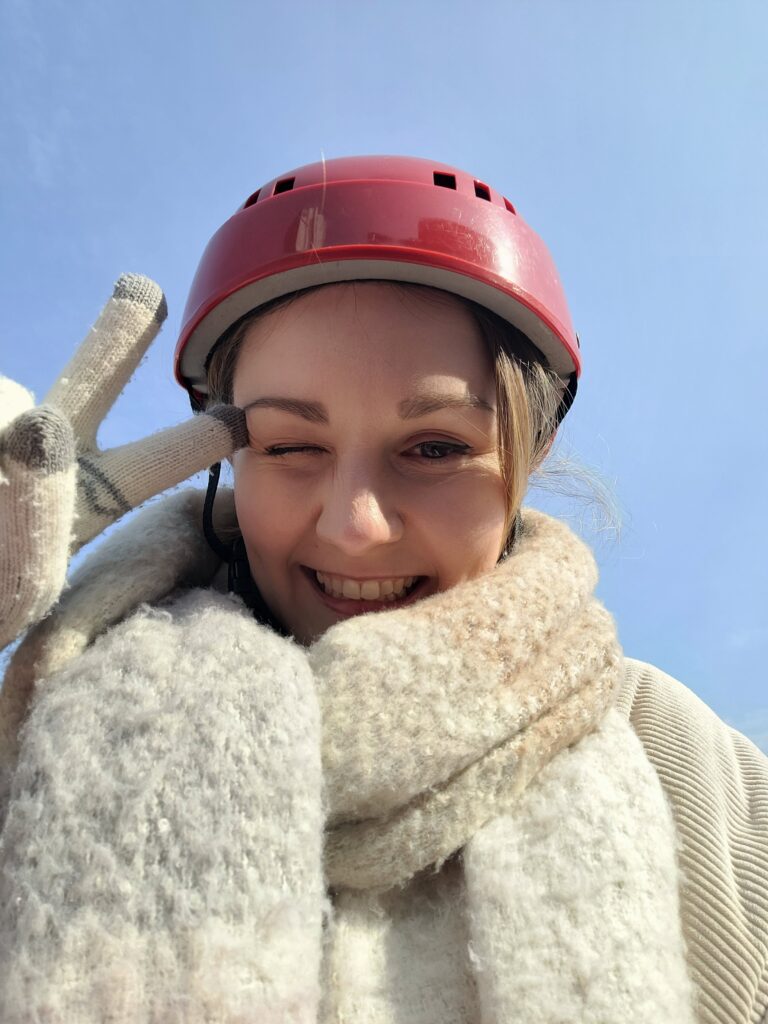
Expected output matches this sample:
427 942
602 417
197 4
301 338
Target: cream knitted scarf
444 726
435 718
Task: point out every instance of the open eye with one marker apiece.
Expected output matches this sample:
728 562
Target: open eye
435 451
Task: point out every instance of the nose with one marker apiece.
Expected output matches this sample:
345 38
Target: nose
357 514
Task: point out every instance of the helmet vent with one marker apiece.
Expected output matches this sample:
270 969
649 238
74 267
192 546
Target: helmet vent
482 191
251 199
283 186
445 180
509 206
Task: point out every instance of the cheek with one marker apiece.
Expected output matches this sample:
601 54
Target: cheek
475 500
466 522
483 530
268 522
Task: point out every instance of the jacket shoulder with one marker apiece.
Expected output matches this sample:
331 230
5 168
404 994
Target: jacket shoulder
716 781
661 709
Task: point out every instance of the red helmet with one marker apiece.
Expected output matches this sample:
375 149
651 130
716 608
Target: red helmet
377 218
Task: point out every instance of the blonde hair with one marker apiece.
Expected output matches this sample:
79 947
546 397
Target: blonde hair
528 394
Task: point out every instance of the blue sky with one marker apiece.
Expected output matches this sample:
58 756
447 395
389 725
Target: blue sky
630 135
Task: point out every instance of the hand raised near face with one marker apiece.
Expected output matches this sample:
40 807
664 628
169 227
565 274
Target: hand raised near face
58 490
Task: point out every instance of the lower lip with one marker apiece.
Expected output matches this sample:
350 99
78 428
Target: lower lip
348 606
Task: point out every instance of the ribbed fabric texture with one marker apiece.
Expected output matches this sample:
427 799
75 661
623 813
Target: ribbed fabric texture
717 783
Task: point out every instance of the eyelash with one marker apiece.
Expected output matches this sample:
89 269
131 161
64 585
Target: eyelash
453 447
449 448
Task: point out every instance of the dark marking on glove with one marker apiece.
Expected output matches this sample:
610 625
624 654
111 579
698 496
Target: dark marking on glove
41 440
234 419
101 495
141 290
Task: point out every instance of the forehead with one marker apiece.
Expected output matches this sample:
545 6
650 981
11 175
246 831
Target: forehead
374 336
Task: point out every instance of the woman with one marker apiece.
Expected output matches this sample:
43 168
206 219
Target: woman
500 819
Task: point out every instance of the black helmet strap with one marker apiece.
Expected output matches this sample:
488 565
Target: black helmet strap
234 554
224 551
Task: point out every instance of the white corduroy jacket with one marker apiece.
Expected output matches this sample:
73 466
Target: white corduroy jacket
204 822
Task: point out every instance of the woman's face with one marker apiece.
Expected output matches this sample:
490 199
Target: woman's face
372 477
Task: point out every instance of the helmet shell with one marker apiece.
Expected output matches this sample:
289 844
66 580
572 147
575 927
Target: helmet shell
387 218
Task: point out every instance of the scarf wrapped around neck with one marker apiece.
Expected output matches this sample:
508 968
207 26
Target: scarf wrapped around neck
478 720
436 717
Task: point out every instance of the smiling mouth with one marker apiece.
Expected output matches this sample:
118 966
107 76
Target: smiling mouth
381 592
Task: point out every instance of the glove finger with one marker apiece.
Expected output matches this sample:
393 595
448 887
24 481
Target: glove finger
104 362
37 499
14 400
111 483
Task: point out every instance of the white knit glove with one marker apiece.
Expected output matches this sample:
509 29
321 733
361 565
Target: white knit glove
57 489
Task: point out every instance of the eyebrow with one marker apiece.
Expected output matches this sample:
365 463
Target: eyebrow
409 409
433 401
315 412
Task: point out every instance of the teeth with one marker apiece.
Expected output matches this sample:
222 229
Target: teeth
368 590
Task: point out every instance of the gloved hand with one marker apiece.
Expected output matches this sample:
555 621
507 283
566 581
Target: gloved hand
57 489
